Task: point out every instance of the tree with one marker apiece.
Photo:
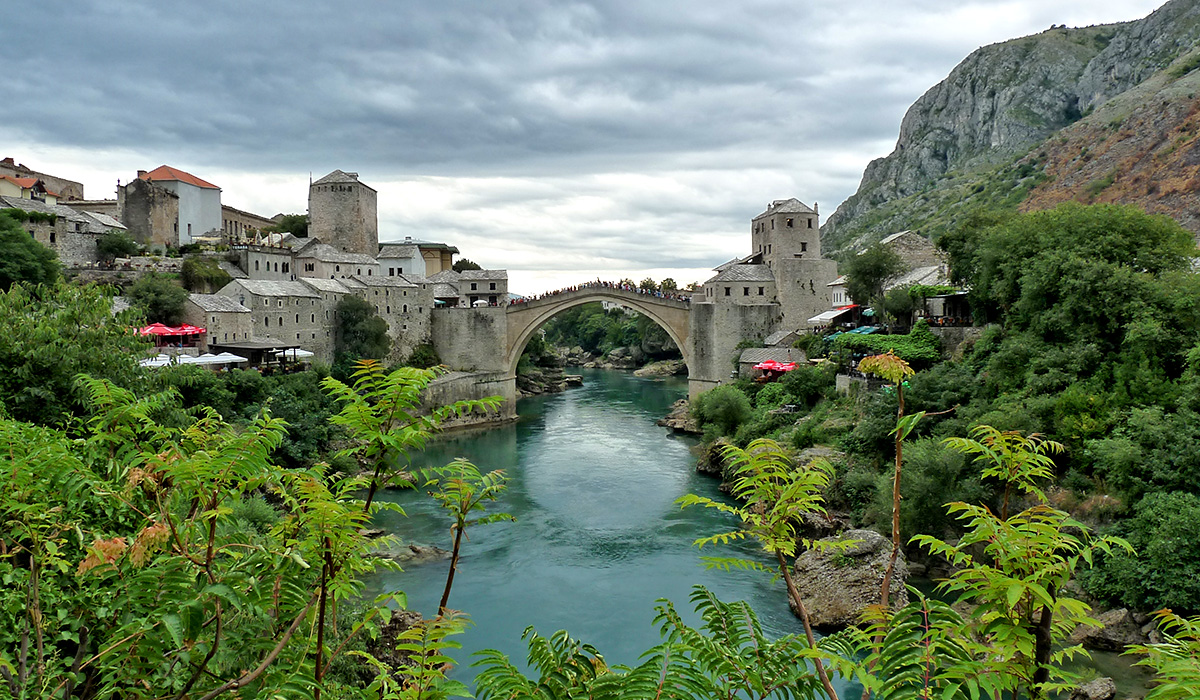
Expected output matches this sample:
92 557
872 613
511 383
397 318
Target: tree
668 285
203 275
22 259
776 495
159 298
464 264
295 224
116 244
360 333
869 271
649 283
48 335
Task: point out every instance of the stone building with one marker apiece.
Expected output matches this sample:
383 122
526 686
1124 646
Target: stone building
151 213
742 283
437 256
72 235
343 212
401 258
67 190
289 311
199 202
316 259
788 237
484 285
405 304
223 319
239 225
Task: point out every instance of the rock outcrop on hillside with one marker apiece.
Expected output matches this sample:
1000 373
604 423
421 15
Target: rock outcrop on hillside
960 142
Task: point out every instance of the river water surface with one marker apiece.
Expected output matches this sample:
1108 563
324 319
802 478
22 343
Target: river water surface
598 537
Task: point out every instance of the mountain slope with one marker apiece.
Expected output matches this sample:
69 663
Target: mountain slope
982 137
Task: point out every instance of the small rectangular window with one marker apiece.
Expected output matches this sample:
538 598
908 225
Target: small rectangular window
810 223
727 291
760 291
789 223
803 247
745 291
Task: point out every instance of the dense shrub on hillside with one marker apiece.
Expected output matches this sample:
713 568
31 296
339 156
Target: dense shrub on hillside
720 410
1164 531
919 347
933 475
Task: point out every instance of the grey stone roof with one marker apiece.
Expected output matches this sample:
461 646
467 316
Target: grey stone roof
327 253
786 206
104 220
929 274
443 290
756 355
338 177
776 338
483 274
745 273
398 250
323 285
275 288
217 303
353 284
447 276
892 237
232 270
382 281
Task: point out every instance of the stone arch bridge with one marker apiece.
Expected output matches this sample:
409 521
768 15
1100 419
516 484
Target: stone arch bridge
484 344
524 319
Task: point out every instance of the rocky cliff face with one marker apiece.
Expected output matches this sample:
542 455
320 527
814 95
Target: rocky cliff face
973 139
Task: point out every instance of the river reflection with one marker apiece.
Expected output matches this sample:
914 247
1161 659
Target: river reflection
598 537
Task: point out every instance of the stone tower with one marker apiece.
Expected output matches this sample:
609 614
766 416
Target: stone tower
343 213
788 238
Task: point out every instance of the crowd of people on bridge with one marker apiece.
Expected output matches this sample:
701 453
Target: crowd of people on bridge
674 294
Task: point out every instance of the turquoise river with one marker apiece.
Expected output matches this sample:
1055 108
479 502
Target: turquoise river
598 537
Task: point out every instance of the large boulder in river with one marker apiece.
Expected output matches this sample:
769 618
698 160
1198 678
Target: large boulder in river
837 586
1119 630
1099 689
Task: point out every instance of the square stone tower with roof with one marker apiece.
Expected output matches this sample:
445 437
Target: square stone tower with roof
787 236
343 213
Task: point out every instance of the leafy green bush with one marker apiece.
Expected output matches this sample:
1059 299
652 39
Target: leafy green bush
720 410
1164 530
933 476
200 274
807 384
919 347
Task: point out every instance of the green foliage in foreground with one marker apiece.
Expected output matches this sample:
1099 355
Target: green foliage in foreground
140 559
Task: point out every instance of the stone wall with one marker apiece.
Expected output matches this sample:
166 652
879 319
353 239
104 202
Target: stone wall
804 289
407 311
956 341
150 213
716 330
344 215
458 386
471 339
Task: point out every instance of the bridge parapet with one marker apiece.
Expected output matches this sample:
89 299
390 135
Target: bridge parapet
669 299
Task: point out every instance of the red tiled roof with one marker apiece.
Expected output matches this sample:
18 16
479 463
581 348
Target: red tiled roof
26 183
166 172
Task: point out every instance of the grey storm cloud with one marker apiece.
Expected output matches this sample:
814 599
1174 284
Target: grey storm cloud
605 132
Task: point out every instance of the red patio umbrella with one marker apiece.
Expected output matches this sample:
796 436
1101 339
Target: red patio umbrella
188 329
156 329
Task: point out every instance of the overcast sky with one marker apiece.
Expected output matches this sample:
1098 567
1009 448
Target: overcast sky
560 140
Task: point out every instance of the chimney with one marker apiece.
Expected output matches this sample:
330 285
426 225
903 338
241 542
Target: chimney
142 174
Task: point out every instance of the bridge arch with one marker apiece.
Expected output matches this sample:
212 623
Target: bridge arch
524 319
